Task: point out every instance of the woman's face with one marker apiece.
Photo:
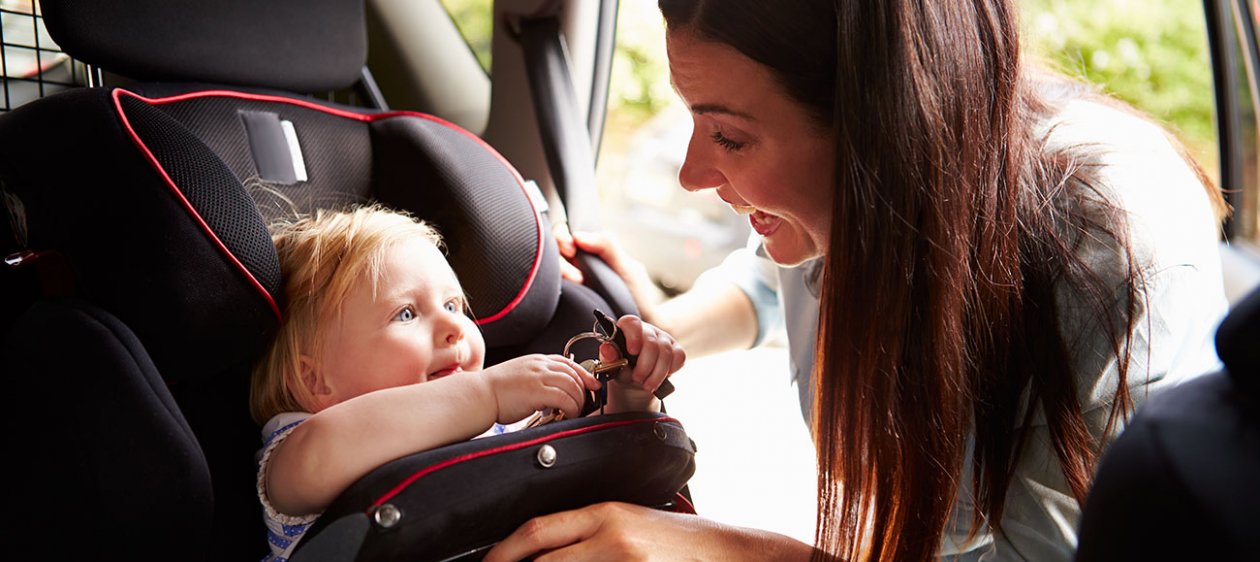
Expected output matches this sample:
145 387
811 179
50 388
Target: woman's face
756 146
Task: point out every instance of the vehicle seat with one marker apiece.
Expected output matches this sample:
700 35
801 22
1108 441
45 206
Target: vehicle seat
1187 466
141 283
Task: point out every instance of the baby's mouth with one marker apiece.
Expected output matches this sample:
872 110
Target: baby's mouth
448 371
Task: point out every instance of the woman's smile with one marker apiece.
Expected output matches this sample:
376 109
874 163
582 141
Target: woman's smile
765 224
760 149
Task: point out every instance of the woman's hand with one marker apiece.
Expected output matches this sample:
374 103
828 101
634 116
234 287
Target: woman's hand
659 356
618 531
632 272
530 383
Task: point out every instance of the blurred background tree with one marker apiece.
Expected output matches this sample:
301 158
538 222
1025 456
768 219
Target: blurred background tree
1150 53
476 23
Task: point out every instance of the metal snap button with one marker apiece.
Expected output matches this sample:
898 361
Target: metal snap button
387 516
659 431
546 456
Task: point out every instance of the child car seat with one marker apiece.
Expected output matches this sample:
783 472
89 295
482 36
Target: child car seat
141 284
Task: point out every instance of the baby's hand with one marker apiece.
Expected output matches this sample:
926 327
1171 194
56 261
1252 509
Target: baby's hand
659 355
527 384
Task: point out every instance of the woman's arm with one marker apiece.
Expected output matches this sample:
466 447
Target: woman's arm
340 444
711 317
618 531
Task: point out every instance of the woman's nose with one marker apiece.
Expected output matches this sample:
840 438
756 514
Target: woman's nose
697 171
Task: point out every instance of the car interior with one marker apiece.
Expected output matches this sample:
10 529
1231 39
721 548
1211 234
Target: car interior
148 284
149 144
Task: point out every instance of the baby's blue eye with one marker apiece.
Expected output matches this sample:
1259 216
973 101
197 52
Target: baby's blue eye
452 307
405 315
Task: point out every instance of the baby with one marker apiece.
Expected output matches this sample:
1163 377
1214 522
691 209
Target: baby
374 314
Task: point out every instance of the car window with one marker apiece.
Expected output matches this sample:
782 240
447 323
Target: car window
677 234
475 21
1247 199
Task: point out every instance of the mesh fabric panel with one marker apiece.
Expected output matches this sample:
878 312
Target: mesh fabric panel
430 168
212 191
479 206
337 152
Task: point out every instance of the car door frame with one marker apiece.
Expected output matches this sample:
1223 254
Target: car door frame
1235 55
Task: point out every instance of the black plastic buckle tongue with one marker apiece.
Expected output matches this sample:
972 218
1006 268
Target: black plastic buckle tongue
608 328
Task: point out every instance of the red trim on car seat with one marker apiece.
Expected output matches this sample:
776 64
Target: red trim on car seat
538 255
683 505
179 195
472 456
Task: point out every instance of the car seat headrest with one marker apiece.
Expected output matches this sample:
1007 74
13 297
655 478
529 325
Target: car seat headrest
1236 342
295 45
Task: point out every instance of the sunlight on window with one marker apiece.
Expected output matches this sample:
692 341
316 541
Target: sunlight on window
475 20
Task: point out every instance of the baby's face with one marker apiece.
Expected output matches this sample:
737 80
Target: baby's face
415 330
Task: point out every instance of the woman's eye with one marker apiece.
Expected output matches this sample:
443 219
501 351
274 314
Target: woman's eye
728 144
405 315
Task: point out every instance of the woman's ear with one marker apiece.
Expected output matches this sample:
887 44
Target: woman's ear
315 395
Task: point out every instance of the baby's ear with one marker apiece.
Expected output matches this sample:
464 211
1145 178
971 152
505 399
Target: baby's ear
315 395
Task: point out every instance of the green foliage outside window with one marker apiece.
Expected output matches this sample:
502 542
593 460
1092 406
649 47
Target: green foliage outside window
1150 53
475 21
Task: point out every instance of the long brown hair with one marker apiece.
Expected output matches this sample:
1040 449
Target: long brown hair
953 228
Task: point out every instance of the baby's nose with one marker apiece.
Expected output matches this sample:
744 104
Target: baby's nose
452 332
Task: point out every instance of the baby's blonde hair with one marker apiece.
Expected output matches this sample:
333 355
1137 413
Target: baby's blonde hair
322 258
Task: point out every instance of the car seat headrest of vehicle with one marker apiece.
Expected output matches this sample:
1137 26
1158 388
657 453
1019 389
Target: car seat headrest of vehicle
1236 342
295 45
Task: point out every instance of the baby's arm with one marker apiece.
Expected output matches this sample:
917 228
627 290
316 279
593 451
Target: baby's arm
659 356
338 445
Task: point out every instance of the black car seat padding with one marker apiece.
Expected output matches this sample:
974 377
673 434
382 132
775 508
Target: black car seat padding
443 174
454 502
181 257
62 461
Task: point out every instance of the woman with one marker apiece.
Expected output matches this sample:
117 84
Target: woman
1006 264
